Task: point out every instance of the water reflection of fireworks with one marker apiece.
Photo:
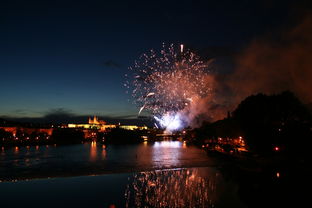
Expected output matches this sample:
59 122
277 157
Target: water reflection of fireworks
171 188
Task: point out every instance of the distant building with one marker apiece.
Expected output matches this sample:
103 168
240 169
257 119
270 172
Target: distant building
96 121
96 124
133 127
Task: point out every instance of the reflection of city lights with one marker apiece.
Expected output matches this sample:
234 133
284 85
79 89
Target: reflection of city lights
103 153
93 151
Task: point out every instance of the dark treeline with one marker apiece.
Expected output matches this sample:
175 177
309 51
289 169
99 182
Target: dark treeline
121 136
265 122
67 136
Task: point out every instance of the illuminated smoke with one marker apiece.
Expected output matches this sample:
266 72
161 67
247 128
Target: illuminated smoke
271 65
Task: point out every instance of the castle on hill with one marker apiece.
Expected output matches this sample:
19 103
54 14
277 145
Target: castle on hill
96 121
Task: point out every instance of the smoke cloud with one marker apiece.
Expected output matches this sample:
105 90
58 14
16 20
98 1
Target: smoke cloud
271 66
267 65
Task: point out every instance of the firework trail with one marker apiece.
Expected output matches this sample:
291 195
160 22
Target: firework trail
166 83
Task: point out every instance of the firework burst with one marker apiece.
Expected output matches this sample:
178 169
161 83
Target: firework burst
167 82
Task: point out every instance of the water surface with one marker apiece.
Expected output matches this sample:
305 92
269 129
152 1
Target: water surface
92 158
160 174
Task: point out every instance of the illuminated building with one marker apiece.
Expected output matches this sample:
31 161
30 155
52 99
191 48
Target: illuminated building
133 127
96 121
100 125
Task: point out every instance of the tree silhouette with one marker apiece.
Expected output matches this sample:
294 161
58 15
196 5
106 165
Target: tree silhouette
277 120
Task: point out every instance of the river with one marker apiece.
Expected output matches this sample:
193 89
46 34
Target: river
158 174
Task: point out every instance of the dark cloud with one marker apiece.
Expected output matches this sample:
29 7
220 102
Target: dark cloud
20 111
58 115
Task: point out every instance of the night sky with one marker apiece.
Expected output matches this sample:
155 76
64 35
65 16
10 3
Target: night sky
71 56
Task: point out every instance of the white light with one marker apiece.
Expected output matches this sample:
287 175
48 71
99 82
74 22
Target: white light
171 122
172 144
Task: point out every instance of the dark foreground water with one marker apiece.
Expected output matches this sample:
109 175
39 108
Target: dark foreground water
192 187
161 174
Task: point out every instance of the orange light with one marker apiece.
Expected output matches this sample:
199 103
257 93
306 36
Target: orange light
277 174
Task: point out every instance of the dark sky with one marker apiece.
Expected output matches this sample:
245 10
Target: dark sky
71 56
